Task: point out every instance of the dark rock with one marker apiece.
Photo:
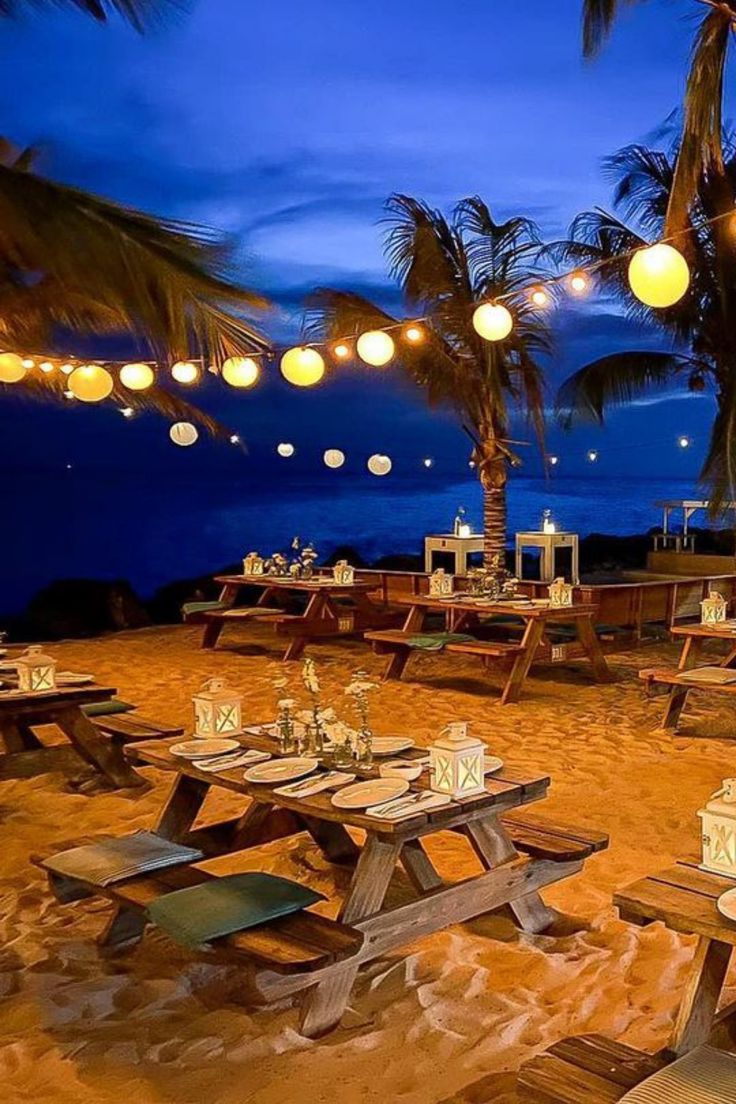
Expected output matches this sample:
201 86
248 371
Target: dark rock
83 607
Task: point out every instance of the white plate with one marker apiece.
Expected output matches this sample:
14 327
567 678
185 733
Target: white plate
203 749
364 794
72 678
726 904
491 763
281 770
391 745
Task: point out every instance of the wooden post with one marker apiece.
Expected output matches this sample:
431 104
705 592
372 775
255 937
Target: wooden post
702 991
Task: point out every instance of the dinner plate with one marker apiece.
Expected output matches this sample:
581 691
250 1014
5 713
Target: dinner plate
281 770
375 792
72 678
391 745
726 904
203 749
491 763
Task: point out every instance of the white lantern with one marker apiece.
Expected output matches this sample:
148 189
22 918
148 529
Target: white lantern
560 594
463 530
718 821
343 573
253 564
376 348
440 584
457 762
240 371
185 372
91 383
659 275
183 433
379 464
492 321
713 609
303 366
217 710
36 671
136 376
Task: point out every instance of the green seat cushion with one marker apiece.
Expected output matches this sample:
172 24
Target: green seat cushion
435 642
106 708
201 913
201 607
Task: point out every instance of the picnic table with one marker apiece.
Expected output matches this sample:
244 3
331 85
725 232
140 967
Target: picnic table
518 856
680 686
25 754
333 609
463 614
683 898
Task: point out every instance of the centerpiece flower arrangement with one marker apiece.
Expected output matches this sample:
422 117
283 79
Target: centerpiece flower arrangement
286 733
358 690
314 717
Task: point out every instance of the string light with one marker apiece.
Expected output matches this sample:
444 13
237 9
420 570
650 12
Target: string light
553 460
334 458
592 455
90 383
12 368
185 372
414 334
67 369
127 411
376 348
492 321
540 298
241 371
234 439
303 366
378 464
341 351
579 283
428 462
136 377
684 442
29 362
183 434
659 275
285 449
46 366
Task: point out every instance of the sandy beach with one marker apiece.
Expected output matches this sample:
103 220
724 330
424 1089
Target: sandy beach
452 1018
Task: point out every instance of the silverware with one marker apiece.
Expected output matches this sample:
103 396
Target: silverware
397 803
331 776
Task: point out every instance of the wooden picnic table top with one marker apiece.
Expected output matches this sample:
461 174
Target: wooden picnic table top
520 609
12 701
724 630
683 897
504 790
319 584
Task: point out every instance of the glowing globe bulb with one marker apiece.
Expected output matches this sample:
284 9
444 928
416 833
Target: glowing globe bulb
185 372
285 449
379 464
414 334
136 377
492 321
46 366
341 351
554 460
12 368
183 434
303 366
29 362
241 371
375 348
593 455
428 462
540 298
659 275
334 458
683 442
67 369
90 383
579 283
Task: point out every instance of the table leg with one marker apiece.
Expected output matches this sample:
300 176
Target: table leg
676 701
419 867
532 638
316 607
325 1004
592 646
398 660
212 629
690 652
494 847
182 807
700 999
101 753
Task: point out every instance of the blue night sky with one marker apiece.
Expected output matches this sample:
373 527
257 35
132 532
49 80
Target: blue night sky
289 124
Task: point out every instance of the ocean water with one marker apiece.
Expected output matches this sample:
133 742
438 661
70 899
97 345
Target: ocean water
152 531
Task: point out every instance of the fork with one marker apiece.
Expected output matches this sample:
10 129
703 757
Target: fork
398 803
298 787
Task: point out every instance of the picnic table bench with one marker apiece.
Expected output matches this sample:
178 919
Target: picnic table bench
333 609
518 856
532 623
680 686
585 1069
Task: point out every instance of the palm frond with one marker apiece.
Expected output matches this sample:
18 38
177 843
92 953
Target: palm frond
614 381
598 18
139 13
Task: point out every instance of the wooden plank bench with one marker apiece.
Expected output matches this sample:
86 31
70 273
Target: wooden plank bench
124 728
545 839
396 642
585 1069
680 689
302 942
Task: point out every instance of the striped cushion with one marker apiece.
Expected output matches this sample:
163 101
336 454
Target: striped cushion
704 1076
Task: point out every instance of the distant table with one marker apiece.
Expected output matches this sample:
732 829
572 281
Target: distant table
694 636
463 614
684 899
333 609
25 755
458 547
548 544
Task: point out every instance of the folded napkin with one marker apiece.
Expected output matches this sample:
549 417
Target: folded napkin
704 1076
201 607
717 676
221 906
111 860
435 642
246 758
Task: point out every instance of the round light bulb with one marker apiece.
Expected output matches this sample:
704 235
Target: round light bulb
341 351
579 283
334 458
28 362
183 434
492 321
67 369
136 377
91 383
540 298
379 464
285 449
414 334
185 372
302 366
683 442
593 455
554 460
241 371
659 275
46 366
428 462
12 368
376 348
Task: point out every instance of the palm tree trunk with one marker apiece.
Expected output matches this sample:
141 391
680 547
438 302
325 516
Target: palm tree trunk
494 526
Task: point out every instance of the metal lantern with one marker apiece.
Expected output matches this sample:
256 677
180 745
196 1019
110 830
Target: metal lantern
713 609
253 564
456 761
217 710
719 831
560 594
36 671
440 584
343 573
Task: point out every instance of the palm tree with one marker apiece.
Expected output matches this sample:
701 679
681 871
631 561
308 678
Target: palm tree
444 267
700 327
73 262
701 150
137 12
